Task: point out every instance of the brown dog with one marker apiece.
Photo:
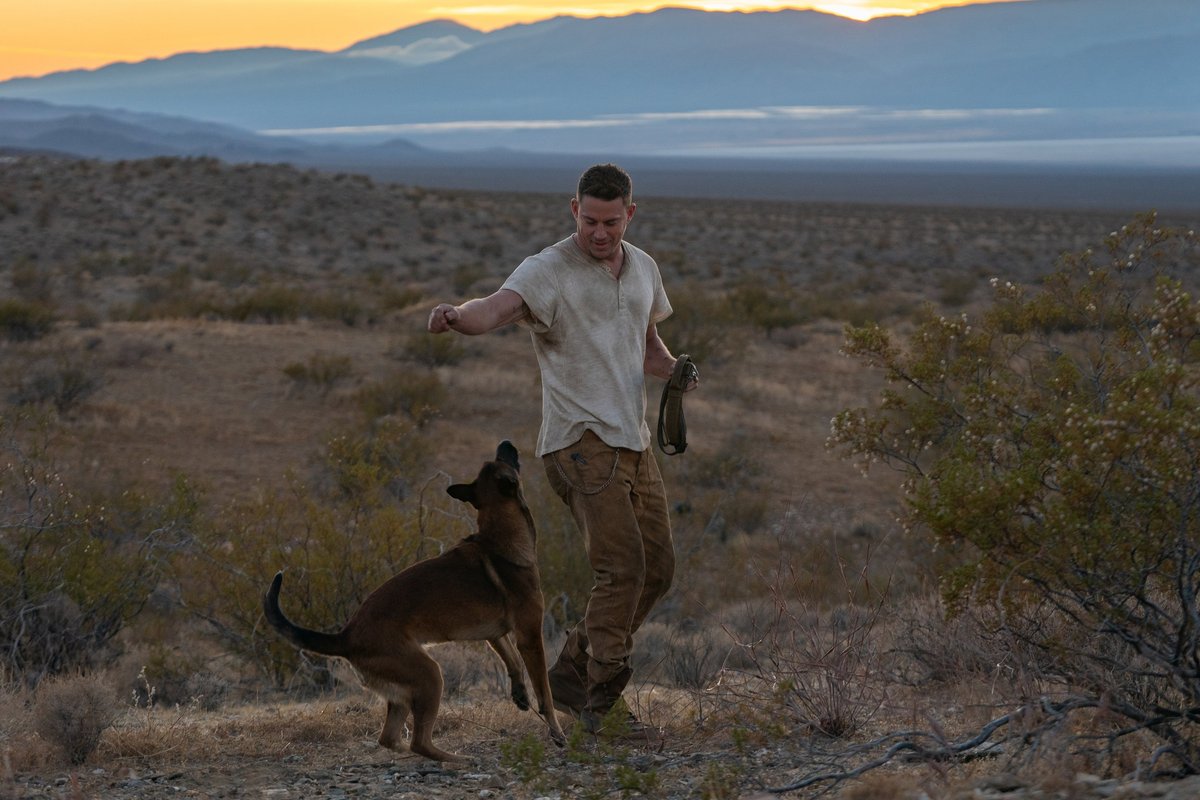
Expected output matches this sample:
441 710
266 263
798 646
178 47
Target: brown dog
483 588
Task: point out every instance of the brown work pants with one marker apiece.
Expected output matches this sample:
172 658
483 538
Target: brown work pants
620 506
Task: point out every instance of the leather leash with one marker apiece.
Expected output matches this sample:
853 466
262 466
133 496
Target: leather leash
672 426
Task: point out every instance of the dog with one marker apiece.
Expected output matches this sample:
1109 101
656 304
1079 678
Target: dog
484 588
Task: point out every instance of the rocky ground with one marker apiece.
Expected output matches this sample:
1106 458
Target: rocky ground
365 772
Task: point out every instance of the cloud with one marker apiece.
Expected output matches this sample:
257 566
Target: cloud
426 51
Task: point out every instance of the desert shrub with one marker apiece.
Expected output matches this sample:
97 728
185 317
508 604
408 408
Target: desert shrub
432 351
851 310
467 275
75 567
270 304
173 677
955 289
399 298
24 320
320 370
769 305
700 325
416 394
687 658
62 382
172 297
367 511
804 668
73 713
335 306
86 316
1053 455
9 205
932 646
33 283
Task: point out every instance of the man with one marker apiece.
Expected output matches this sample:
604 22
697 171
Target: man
592 303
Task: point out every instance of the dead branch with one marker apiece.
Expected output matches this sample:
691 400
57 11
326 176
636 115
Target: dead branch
930 747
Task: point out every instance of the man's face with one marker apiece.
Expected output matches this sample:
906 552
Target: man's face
601 224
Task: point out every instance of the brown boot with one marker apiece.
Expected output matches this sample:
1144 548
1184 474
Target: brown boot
567 687
607 715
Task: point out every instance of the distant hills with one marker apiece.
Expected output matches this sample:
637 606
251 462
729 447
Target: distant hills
113 134
1060 54
1045 102
94 132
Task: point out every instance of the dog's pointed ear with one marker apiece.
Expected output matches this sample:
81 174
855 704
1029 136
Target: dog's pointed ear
464 492
507 453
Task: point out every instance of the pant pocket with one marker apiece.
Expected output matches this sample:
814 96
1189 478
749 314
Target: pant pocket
589 466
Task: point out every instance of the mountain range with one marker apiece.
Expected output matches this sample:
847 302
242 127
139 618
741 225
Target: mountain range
1051 102
1058 54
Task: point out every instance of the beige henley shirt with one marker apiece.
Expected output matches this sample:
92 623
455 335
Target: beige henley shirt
589 334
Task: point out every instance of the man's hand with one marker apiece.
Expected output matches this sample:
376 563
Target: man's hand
442 318
693 377
478 316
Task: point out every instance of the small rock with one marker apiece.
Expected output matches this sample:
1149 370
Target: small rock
1001 783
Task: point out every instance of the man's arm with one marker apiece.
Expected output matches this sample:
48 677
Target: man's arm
480 315
659 361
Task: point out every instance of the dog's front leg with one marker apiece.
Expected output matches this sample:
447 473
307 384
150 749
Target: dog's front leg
533 653
508 654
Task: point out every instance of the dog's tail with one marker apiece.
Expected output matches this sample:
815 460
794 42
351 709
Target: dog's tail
326 644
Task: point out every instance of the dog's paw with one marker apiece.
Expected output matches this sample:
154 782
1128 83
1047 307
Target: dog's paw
520 696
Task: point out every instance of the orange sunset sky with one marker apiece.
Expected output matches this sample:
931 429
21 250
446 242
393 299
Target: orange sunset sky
42 36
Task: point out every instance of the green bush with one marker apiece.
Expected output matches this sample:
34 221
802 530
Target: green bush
75 567
701 325
34 283
762 304
24 321
1052 449
271 304
322 371
417 394
432 351
335 306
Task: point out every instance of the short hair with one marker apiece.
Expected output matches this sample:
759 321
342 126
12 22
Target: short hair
606 182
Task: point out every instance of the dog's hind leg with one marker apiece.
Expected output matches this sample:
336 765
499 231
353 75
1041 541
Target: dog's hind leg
425 678
508 654
392 736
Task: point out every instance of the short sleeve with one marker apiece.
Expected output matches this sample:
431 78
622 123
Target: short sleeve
535 280
661 307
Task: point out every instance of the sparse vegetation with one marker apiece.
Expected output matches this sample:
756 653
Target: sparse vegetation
320 370
802 643
23 321
73 713
415 394
74 570
1051 448
61 380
